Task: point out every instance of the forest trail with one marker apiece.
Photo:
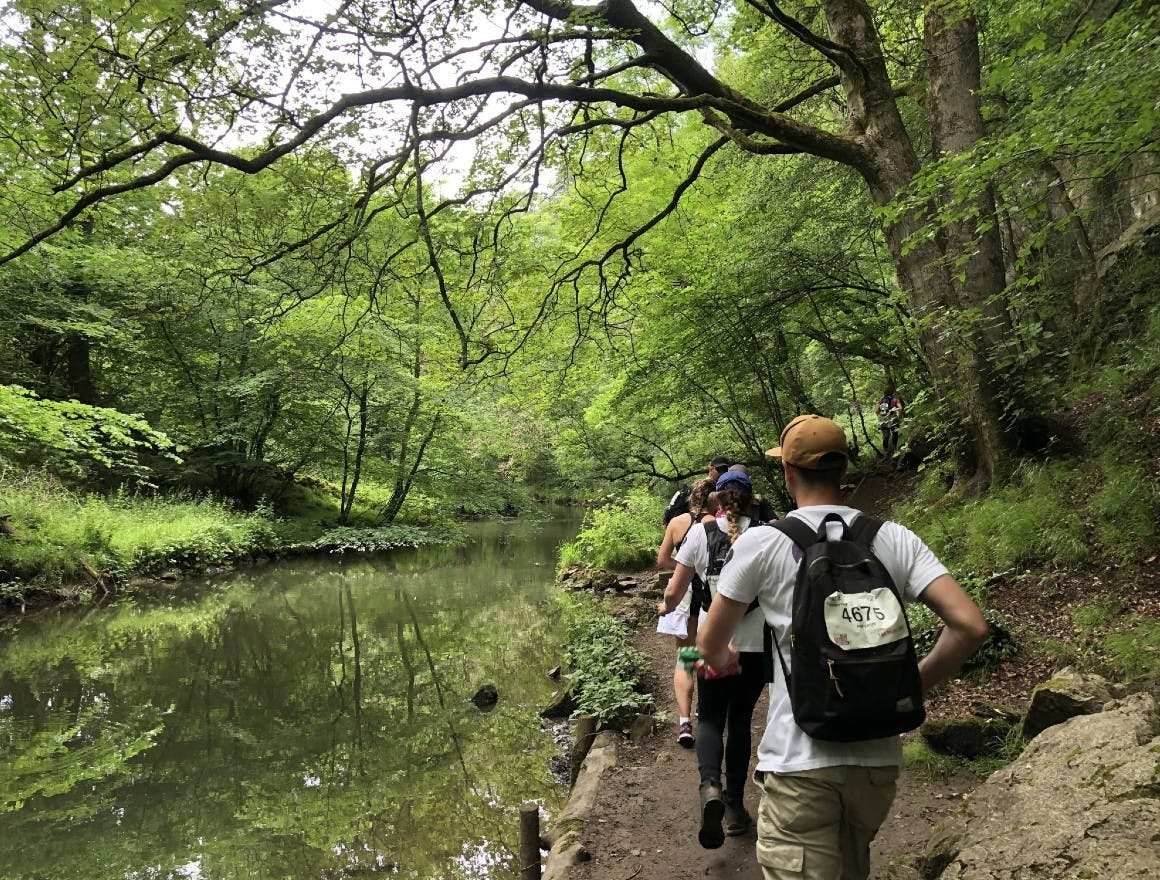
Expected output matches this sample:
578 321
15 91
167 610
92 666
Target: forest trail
644 822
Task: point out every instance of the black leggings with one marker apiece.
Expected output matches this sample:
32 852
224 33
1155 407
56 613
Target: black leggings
889 439
724 720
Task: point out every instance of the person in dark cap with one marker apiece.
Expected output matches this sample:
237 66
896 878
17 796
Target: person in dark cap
718 466
823 801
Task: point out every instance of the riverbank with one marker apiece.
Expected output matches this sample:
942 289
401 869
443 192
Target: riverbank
56 545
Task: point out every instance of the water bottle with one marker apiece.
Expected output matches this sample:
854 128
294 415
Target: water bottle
687 658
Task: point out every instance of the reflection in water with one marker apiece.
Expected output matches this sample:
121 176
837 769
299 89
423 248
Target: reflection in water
313 719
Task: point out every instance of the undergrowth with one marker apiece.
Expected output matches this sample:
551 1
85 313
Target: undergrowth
605 667
621 533
924 761
57 534
1053 514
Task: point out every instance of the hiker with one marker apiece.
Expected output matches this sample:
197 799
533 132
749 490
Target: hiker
762 508
823 801
889 410
718 466
679 503
725 704
680 621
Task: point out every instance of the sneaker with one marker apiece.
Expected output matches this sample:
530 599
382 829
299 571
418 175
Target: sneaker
685 735
711 836
737 818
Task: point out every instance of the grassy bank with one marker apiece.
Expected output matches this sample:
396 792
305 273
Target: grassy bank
59 543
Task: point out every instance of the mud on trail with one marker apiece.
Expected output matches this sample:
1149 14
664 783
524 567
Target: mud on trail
643 825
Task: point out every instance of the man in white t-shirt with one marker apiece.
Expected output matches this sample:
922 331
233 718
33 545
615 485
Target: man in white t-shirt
823 802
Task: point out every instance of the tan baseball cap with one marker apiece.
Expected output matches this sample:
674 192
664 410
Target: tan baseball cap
812 442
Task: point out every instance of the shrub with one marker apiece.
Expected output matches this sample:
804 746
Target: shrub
619 534
605 668
998 647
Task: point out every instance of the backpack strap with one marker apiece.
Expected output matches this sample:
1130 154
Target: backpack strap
864 530
711 528
803 536
796 530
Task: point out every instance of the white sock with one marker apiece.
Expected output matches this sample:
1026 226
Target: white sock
684 719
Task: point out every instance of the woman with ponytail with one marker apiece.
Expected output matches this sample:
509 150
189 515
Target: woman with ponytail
726 702
680 620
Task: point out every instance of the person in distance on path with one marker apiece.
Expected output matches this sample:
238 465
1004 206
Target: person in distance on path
823 802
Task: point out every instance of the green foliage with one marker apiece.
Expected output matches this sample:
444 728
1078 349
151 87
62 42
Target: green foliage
1134 651
1033 520
341 540
621 533
925 629
605 668
58 532
1126 506
1054 514
75 439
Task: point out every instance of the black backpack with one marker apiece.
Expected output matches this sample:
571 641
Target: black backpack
844 594
677 505
719 547
720 551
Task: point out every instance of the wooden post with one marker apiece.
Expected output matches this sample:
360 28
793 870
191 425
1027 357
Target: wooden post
529 841
584 734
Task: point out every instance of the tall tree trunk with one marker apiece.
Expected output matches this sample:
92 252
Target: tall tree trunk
975 257
78 357
963 376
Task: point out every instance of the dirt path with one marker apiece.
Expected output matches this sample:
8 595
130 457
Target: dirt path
644 823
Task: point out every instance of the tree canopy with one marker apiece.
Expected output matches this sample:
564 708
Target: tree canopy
291 233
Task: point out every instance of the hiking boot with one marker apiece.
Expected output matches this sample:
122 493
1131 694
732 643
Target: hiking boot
711 834
685 734
737 818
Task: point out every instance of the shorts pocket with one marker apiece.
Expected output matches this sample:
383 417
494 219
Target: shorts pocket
882 775
781 856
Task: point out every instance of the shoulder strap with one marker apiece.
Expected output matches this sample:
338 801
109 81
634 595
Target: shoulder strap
864 529
796 530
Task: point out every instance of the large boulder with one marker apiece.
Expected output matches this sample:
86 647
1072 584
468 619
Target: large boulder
1082 801
1067 694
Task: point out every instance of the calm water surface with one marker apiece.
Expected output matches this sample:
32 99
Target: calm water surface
307 720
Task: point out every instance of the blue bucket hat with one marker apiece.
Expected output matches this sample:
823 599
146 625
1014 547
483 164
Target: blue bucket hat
733 478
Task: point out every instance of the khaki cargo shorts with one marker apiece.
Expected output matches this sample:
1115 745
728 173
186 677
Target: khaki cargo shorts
818 824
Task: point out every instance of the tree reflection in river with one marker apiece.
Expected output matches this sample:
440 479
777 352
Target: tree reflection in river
308 720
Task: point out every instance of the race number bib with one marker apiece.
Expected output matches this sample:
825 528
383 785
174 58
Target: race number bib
865 620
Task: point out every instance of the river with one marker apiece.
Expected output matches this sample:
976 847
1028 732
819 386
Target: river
307 719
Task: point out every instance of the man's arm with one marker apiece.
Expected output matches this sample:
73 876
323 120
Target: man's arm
717 629
965 631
